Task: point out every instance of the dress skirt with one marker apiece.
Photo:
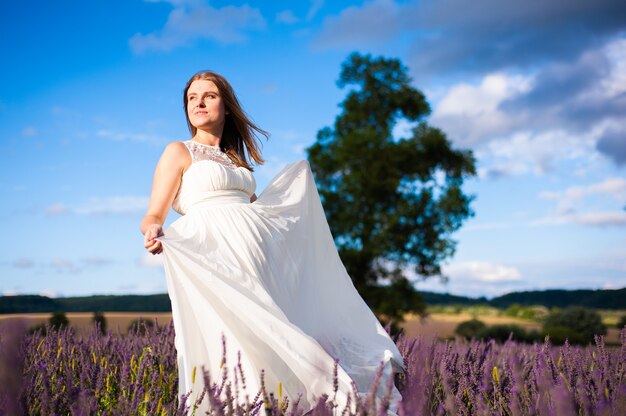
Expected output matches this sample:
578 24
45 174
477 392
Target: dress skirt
266 278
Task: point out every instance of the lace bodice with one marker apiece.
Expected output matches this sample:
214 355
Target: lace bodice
201 151
212 178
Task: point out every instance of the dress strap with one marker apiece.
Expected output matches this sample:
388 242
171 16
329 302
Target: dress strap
188 145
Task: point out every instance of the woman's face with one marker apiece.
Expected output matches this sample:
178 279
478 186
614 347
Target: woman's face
205 107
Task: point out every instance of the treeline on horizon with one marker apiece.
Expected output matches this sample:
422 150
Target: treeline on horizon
596 299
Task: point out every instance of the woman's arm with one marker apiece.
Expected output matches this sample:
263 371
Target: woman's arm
167 178
253 198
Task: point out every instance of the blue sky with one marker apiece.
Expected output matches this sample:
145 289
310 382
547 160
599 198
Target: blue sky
91 92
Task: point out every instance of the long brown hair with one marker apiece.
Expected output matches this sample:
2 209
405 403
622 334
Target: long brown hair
240 134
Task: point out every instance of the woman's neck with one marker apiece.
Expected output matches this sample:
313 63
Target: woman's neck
206 137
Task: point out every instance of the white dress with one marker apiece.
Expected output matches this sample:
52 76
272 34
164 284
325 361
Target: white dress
266 276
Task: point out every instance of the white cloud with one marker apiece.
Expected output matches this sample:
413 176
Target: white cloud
615 188
513 141
474 115
151 260
536 152
49 293
482 271
487 226
529 104
286 17
373 22
615 83
132 137
471 113
560 112
612 285
23 263
573 69
191 21
119 205
114 205
64 265
316 5
96 261
574 204
56 209
600 218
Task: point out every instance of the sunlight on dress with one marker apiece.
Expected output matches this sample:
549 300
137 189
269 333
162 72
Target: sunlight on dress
267 276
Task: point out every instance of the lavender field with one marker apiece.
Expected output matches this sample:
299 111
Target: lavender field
64 373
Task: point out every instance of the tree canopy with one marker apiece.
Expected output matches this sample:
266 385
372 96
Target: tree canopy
392 203
577 324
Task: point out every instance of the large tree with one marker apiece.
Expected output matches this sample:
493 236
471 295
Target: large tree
392 203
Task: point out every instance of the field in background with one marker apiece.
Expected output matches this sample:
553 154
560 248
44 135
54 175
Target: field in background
442 325
439 325
436 325
83 321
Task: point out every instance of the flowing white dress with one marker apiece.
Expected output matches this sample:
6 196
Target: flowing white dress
266 276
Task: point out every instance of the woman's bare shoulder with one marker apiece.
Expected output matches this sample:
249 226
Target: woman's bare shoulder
176 153
176 150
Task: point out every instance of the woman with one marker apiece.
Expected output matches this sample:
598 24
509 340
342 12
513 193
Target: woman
262 273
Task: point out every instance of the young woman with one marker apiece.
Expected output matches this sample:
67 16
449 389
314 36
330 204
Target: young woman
262 272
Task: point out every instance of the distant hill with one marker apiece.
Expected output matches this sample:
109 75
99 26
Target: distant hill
597 299
432 298
28 304
102 303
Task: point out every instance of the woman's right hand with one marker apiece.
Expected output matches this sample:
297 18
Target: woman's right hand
149 239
